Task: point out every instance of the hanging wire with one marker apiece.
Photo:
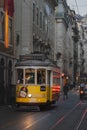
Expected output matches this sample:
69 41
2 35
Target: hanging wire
77 6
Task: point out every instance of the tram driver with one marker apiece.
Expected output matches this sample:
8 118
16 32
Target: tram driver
29 78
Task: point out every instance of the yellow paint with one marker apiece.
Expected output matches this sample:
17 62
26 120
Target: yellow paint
37 95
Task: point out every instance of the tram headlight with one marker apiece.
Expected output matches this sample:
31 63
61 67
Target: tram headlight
29 95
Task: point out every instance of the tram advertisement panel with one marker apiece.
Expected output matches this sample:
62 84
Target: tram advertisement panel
22 92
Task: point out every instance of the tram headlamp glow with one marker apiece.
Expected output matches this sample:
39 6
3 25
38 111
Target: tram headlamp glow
29 95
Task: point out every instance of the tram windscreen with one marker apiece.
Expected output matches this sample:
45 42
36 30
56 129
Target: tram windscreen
19 75
41 76
30 76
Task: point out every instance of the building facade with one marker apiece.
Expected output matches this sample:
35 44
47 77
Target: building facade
64 43
31 29
35 30
37 27
82 49
7 56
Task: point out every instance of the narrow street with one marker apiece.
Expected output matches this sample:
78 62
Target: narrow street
43 48
70 114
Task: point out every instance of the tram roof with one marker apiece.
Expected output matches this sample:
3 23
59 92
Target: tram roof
36 63
35 59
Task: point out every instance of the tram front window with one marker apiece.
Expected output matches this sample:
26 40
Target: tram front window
19 75
30 76
41 76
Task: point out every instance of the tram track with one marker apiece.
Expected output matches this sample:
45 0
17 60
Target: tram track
67 114
38 117
81 120
26 121
62 118
75 116
21 114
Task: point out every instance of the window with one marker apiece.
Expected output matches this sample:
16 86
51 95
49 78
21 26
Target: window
30 76
19 76
33 12
10 31
2 26
40 19
37 16
43 22
46 26
56 78
41 76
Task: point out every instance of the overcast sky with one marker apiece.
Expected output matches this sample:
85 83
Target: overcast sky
80 6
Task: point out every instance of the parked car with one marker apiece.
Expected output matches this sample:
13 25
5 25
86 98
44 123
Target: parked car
83 92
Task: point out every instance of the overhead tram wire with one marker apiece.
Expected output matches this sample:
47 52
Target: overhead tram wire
77 6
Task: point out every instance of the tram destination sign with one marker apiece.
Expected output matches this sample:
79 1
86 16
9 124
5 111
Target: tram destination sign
40 57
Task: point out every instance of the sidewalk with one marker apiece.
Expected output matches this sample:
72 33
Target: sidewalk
5 108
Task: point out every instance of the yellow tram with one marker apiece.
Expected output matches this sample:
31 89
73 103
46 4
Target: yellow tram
38 81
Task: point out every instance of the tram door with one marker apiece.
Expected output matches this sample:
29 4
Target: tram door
49 83
2 82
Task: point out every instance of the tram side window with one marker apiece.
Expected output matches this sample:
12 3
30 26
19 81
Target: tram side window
41 76
56 79
30 76
19 75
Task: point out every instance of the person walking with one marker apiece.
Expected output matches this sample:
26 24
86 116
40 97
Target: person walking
65 91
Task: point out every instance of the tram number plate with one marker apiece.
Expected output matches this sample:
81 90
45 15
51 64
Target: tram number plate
42 88
33 100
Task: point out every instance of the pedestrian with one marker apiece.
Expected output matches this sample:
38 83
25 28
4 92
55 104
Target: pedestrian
65 91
